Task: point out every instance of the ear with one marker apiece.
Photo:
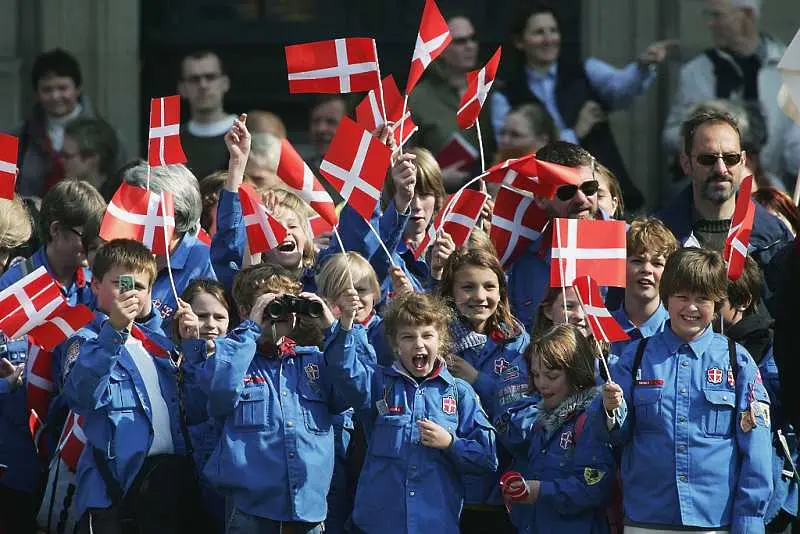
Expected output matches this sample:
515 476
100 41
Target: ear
743 307
95 285
686 164
53 229
226 83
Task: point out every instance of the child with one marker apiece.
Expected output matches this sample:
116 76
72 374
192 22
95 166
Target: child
124 380
269 383
552 311
425 428
689 410
569 472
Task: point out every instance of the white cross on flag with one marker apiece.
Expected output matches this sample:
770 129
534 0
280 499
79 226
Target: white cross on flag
735 251
432 38
61 325
355 164
603 325
9 151
136 213
72 441
479 82
588 248
164 139
458 219
264 232
299 179
517 221
368 112
348 65
535 176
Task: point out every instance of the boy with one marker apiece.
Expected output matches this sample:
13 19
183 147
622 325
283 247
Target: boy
124 380
642 313
689 411
269 385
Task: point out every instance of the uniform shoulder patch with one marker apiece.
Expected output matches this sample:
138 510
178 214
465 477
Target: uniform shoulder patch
70 355
593 476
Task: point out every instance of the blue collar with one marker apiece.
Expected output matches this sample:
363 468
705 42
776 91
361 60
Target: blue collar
651 326
535 76
698 345
178 257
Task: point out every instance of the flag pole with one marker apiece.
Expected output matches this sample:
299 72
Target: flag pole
560 269
148 176
166 248
380 241
341 246
403 119
480 144
380 84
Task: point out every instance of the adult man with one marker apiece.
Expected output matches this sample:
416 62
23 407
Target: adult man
204 84
742 66
90 152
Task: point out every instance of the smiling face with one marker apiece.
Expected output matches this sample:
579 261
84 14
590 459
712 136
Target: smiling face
212 315
552 384
366 299
58 95
418 348
541 40
289 253
643 273
689 314
476 292
573 314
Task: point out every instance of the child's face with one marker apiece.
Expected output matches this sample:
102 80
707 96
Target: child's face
552 384
107 289
573 314
689 314
476 291
421 212
644 275
289 253
366 297
212 315
418 348
730 314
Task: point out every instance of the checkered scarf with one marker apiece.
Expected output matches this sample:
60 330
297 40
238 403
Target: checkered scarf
555 418
464 337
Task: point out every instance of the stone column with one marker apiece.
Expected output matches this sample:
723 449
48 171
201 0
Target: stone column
10 81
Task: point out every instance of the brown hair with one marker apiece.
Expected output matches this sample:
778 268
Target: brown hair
199 286
779 202
694 270
746 290
614 189
418 309
429 179
210 187
701 117
70 202
565 153
564 347
125 253
648 235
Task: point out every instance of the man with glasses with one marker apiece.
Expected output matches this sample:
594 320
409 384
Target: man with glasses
203 85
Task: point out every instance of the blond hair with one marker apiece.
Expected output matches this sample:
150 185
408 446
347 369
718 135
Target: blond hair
289 201
15 223
333 278
648 235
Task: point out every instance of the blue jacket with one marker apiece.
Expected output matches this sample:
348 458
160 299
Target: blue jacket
275 458
79 292
654 324
528 282
405 486
104 385
686 458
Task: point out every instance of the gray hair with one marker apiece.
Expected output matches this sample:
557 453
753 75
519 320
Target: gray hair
755 5
179 181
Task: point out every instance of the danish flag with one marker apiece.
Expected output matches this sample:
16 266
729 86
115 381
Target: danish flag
517 221
432 38
61 325
299 179
479 82
348 65
527 173
164 139
602 323
28 303
39 389
318 226
735 252
355 164
72 441
264 232
369 114
588 248
136 213
458 219
9 151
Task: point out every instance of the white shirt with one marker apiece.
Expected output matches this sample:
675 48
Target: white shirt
213 129
56 126
162 430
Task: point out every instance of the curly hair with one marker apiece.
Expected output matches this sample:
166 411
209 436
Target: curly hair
418 309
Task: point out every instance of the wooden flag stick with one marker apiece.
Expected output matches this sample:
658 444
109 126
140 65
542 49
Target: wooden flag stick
380 83
341 246
166 247
380 241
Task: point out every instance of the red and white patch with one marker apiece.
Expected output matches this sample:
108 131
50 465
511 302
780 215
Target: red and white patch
449 405
731 380
714 375
566 440
500 365
312 371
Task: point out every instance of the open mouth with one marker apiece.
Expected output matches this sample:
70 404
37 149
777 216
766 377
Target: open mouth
420 362
287 246
645 283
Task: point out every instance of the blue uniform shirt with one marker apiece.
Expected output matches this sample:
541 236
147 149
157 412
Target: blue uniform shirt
79 292
687 457
654 324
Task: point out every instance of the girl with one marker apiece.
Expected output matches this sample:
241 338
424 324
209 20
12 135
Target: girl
296 252
570 472
609 195
425 428
552 311
488 348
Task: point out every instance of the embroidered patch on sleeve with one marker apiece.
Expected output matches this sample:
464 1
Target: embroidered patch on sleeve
593 476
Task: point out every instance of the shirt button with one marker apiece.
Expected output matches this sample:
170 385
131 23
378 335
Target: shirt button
284 393
544 451
683 478
413 467
684 364
682 419
724 397
683 390
411 493
291 455
290 424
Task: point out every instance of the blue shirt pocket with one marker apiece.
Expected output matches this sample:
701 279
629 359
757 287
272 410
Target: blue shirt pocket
121 389
251 411
718 412
647 406
388 436
315 408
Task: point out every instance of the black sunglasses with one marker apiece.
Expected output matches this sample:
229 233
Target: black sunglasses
463 40
566 192
730 159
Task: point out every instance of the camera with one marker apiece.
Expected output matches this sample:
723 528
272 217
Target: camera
283 306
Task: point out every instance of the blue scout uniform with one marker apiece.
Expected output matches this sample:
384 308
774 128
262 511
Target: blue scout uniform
105 386
275 457
79 292
654 324
529 280
406 486
696 445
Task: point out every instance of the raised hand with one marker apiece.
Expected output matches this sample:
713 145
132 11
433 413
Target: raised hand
238 142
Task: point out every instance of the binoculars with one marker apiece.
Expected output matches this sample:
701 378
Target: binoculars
283 306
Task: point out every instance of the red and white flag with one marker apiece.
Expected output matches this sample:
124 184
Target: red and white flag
61 325
517 221
264 232
458 219
28 303
136 213
735 251
588 248
432 38
9 151
527 173
39 388
348 65
72 441
164 139
355 164
369 111
603 325
318 226
479 82
299 179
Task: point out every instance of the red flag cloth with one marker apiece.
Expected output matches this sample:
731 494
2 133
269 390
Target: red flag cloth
203 237
355 164
432 38
153 348
61 325
369 111
136 213
517 221
299 179
72 441
527 173
458 219
28 303
164 139
318 226
588 248
39 389
264 232
9 151
735 250
479 82
348 65
603 325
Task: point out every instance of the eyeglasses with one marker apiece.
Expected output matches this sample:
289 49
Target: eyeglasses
566 192
730 159
208 77
464 40
74 231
